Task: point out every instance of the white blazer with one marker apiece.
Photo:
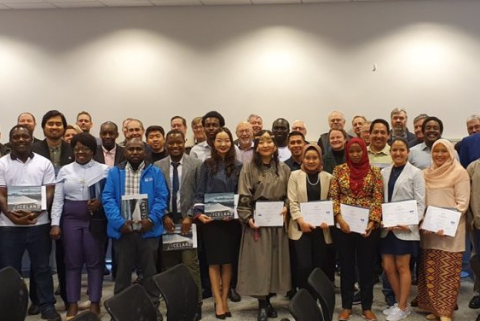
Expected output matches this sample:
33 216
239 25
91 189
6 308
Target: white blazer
410 185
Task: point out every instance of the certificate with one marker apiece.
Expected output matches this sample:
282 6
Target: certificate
356 217
318 212
269 214
400 213
437 218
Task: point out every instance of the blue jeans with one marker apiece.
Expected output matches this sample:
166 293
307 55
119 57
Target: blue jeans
36 240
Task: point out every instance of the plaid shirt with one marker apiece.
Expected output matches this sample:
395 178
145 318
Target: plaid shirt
132 179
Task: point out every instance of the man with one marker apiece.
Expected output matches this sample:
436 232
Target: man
84 121
280 130
257 123
336 120
357 124
432 130
398 119
124 131
181 173
379 150
55 149
28 120
299 126
180 123
135 241
4 150
244 142
365 133
110 153
156 141
468 147
134 129
24 230
296 143
417 129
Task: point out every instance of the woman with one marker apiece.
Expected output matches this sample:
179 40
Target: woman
309 184
71 131
359 184
447 185
76 211
264 261
401 181
219 174
336 155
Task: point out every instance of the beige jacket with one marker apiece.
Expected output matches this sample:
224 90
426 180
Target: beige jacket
474 172
297 193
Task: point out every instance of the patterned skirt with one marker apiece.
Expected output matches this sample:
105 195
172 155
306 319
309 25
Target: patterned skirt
439 281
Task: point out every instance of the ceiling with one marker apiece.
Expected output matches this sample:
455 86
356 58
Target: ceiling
63 4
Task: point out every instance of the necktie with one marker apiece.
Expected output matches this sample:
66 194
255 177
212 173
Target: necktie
175 187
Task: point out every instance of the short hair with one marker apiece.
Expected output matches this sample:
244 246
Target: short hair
154 128
85 139
398 110
344 133
108 122
17 127
380 121
359 116
338 112
184 121
175 132
74 127
137 120
279 119
51 114
440 123
27 113
254 116
401 139
134 140
83 112
473 117
196 120
296 133
420 117
214 114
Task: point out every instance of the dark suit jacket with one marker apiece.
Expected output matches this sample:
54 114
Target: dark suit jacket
4 150
329 162
119 155
66 156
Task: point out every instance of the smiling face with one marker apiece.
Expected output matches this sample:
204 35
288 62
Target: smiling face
312 160
440 155
355 153
27 120
378 136
175 146
299 126
134 130
21 140
432 131
295 145
399 153
83 154
211 124
178 123
108 135
222 144
266 146
156 141
365 134
280 130
357 124
336 121
54 128
417 127
69 133
257 124
244 133
473 126
337 140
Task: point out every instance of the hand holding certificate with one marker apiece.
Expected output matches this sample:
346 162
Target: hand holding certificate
316 213
400 213
269 214
356 217
441 219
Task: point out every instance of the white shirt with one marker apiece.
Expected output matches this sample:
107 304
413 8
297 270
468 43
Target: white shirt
73 183
36 171
202 151
284 153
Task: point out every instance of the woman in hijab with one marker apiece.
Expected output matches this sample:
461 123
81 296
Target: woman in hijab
308 185
359 184
447 185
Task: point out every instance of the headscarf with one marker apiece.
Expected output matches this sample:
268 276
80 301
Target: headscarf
316 148
357 170
449 173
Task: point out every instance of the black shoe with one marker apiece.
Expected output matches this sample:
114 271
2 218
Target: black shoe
222 316
106 271
357 298
51 315
234 296
33 309
262 315
473 304
228 314
271 313
198 313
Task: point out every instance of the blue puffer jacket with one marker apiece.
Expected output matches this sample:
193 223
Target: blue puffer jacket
151 183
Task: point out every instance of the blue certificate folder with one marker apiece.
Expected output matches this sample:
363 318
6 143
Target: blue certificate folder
219 205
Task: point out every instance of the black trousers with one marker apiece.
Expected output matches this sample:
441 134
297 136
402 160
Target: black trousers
356 250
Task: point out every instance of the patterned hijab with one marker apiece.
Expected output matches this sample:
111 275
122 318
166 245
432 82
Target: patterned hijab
359 170
316 148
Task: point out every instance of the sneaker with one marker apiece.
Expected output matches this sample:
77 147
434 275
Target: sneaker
51 315
399 314
390 309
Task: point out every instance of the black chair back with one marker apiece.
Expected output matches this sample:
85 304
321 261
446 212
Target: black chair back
132 304
13 295
324 292
87 316
179 291
303 307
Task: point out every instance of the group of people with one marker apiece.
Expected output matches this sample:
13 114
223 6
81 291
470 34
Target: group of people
88 182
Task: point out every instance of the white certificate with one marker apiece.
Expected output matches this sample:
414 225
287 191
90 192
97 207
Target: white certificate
318 212
356 217
269 214
400 213
437 218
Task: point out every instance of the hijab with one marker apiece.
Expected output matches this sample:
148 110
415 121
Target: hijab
449 173
359 170
316 148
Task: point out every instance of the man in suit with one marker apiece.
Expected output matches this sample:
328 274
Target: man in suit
110 153
181 173
336 120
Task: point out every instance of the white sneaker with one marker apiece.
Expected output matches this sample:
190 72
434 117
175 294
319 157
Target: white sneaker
399 314
389 310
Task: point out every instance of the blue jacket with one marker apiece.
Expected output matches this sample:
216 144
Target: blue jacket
151 183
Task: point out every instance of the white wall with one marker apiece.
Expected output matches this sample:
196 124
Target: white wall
295 61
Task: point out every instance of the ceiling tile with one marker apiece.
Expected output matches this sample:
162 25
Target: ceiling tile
77 4
127 3
276 1
177 2
225 2
35 5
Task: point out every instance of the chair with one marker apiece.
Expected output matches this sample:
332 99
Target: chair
303 307
179 291
87 316
324 292
13 295
132 304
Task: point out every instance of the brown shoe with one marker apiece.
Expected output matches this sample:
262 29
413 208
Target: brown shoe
345 315
369 315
